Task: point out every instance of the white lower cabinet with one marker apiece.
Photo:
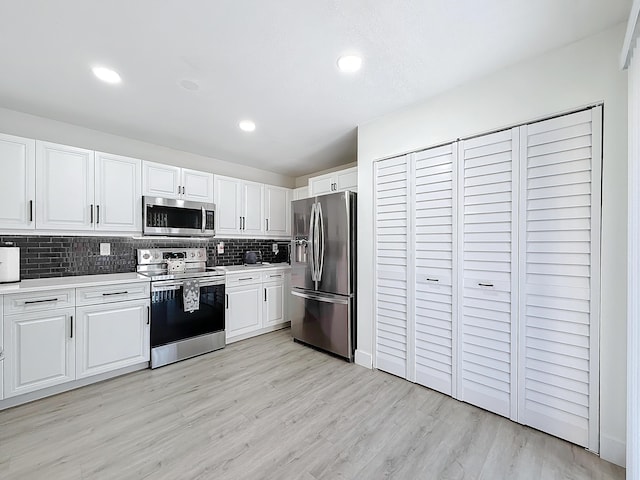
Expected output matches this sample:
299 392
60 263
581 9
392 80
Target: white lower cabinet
111 336
244 310
256 303
39 350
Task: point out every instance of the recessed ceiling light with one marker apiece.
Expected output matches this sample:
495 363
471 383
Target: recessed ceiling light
247 125
106 75
349 63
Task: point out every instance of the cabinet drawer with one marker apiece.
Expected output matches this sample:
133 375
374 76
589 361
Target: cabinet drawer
39 301
273 276
243 279
112 293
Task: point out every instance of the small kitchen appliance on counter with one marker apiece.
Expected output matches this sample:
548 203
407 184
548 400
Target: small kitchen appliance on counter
9 263
187 303
251 257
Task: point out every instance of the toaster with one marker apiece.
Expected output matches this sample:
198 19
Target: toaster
9 263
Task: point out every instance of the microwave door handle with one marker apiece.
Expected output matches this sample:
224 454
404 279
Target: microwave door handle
204 219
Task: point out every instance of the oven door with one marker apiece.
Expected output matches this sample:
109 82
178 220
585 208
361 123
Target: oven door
169 321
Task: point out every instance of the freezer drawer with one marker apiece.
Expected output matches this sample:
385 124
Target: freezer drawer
323 321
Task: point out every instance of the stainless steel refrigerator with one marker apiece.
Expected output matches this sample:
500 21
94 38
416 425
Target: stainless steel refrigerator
323 271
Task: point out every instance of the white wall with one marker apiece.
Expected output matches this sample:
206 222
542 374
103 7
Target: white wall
583 73
30 126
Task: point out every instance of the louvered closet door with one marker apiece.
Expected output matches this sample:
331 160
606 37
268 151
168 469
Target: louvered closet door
560 276
486 370
435 235
391 230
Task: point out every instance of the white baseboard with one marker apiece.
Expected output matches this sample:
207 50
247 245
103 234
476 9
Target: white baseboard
364 359
613 450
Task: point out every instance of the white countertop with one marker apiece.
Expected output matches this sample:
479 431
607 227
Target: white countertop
52 283
264 267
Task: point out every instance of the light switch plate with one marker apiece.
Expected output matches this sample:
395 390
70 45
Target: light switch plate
105 249
221 247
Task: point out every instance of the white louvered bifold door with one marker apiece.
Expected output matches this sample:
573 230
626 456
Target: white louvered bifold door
391 252
488 303
560 262
435 240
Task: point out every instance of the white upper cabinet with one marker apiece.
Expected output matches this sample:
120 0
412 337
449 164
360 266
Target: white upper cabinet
17 182
167 181
339 181
160 180
65 187
301 192
197 186
118 193
246 208
252 208
277 212
228 200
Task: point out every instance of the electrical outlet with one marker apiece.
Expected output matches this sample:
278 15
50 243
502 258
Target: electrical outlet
274 248
221 247
105 249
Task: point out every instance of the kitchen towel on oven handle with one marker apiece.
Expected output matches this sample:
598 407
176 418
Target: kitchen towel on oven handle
191 295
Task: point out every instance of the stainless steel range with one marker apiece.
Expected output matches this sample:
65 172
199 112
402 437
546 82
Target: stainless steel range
187 303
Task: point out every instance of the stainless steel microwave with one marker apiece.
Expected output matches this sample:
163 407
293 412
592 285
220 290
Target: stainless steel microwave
166 216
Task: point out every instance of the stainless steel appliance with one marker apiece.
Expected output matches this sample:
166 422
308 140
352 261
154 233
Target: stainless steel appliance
176 332
323 265
9 263
166 216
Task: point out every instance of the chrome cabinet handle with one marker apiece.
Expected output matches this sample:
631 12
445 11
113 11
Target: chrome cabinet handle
71 325
148 315
114 293
31 210
91 213
179 190
267 222
97 214
244 279
432 280
265 294
485 284
226 301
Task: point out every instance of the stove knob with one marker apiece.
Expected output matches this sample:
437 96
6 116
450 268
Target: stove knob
192 254
146 256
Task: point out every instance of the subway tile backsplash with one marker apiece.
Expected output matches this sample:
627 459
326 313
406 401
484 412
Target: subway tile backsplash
57 256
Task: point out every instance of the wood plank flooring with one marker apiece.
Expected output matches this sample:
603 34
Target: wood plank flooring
268 408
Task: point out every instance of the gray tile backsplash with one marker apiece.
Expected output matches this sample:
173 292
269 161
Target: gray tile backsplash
56 256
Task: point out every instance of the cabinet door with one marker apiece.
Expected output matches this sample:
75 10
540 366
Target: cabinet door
2 350
111 336
320 185
118 193
160 180
17 182
560 280
346 179
391 275
65 187
253 208
228 200
244 310
486 334
197 186
273 295
435 242
39 351
301 192
277 204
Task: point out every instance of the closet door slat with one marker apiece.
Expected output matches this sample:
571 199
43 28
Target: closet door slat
391 257
435 240
487 199
559 261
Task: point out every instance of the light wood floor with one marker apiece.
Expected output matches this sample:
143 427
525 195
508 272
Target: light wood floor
270 408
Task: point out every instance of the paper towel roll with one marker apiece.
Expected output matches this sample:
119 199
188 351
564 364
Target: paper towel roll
9 264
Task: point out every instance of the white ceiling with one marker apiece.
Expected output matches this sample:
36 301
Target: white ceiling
271 61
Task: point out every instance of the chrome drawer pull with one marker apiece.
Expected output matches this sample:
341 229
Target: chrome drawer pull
432 280
485 284
114 293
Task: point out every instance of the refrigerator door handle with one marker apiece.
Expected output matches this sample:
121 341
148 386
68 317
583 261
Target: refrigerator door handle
316 244
321 298
310 243
321 242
